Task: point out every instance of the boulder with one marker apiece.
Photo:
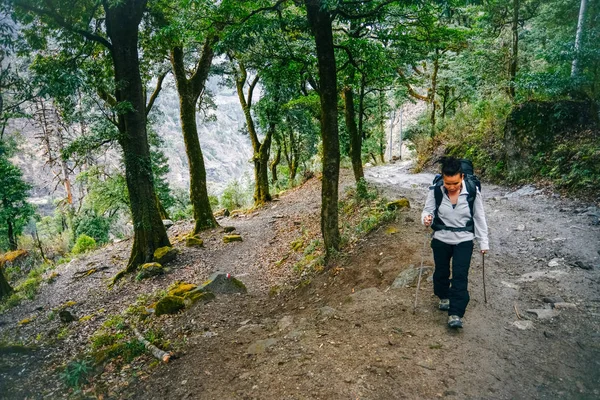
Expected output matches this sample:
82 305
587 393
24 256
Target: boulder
167 223
165 254
194 241
193 296
181 288
149 270
66 316
169 305
409 276
399 204
220 282
232 238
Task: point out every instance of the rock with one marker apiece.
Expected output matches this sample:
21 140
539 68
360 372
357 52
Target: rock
193 296
149 270
564 306
543 313
294 335
520 227
179 289
409 277
509 285
399 204
260 346
523 325
555 262
13 258
165 254
285 322
582 265
552 299
167 223
169 305
228 229
194 241
220 282
232 238
327 311
66 316
532 276
391 230
409 220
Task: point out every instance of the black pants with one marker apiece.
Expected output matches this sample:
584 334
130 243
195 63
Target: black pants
454 289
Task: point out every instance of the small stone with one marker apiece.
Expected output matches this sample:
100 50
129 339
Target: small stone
582 265
523 325
260 346
564 306
552 299
520 227
169 305
148 270
285 322
221 282
167 223
232 238
327 311
555 262
409 276
543 313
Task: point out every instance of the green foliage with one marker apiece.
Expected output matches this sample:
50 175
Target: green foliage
90 224
76 373
235 196
83 244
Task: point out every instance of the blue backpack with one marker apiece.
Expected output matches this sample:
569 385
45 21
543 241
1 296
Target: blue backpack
472 183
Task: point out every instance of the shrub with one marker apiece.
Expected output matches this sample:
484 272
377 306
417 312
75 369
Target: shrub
235 196
76 373
83 243
92 225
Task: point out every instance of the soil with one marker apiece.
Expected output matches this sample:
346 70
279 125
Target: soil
343 333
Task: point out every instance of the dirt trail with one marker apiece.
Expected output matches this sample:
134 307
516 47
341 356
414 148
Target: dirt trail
348 334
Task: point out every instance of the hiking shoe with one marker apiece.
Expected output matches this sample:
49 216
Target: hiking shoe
454 321
444 304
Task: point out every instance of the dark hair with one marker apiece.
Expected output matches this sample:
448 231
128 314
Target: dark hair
450 166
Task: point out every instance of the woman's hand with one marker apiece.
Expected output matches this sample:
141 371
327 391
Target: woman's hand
428 220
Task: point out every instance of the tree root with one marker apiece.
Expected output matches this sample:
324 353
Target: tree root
156 352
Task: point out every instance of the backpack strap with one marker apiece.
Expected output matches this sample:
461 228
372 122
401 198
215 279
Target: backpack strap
438 225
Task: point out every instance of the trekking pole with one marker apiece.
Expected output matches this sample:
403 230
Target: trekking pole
483 270
420 273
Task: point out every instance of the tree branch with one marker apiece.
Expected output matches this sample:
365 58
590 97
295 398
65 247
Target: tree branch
251 89
154 95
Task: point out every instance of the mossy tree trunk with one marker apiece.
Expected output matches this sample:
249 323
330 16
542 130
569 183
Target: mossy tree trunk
261 150
5 289
190 90
12 239
274 163
512 71
355 137
291 151
319 19
122 20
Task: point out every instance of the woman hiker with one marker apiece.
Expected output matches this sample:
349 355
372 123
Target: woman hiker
457 217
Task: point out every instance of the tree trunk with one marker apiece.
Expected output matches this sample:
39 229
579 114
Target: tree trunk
261 164
515 49
5 289
578 35
274 165
189 91
122 20
436 68
355 138
12 240
319 19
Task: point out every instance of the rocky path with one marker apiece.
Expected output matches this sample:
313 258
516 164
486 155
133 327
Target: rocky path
349 334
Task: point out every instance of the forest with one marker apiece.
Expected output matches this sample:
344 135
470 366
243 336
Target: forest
513 85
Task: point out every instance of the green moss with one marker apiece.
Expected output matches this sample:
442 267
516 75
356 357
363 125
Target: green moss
398 204
297 244
181 288
232 238
194 241
149 270
197 295
165 254
169 305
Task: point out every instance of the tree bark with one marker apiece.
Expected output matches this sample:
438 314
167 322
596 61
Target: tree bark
189 91
12 240
355 137
5 288
261 150
319 19
274 164
122 21
432 93
578 35
515 49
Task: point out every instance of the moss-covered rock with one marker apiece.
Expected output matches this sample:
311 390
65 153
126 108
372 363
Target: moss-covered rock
220 282
169 305
149 270
196 295
232 238
194 241
165 254
398 204
181 288
228 229
13 257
